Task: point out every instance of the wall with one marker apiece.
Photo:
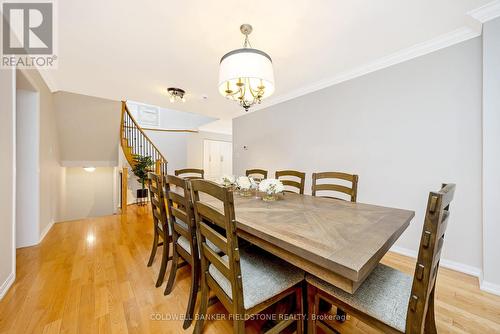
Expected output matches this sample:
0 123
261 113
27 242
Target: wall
89 128
7 179
403 129
491 156
27 166
173 146
50 168
87 194
195 146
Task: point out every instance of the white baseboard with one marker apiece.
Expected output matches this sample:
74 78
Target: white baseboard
46 230
460 267
7 284
489 287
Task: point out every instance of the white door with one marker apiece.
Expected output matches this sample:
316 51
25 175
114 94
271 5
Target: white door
217 159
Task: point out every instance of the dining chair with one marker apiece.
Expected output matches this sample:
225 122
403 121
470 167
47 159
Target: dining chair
285 175
351 191
261 174
390 300
184 244
160 225
245 281
199 173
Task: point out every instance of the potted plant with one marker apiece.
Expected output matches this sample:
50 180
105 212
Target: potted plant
142 166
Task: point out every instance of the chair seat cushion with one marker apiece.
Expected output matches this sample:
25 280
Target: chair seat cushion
184 243
384 295
263 275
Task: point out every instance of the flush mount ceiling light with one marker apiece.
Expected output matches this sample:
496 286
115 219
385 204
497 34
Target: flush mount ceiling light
176 94
89 169
246 74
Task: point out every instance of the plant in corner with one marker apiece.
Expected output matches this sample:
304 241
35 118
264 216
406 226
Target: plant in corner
142 166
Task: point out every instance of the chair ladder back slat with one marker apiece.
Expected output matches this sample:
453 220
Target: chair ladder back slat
280 174
431 244
352 192
200 173
262 173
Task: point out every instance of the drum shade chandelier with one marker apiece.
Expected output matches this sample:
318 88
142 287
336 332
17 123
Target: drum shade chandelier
246 74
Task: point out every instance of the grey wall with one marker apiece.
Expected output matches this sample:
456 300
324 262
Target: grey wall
404 130
491 156
89 128
7 178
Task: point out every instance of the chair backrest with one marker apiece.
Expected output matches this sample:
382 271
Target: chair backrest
429 254
352 178
221 215
155 185
199 173
259 173
280 174
180 209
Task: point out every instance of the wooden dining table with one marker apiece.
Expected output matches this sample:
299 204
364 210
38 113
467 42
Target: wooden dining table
338 241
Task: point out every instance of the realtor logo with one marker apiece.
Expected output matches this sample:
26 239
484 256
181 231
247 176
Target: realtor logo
28 34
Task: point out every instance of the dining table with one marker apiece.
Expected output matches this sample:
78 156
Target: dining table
337 241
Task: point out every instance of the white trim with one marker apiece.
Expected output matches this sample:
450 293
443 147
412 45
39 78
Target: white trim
489 287
7 284
46 230
453 265
440 42
487 12
14 183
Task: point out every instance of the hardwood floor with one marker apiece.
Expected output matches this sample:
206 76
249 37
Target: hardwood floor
90 276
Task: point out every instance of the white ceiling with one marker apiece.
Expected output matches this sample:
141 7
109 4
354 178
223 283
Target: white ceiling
136 49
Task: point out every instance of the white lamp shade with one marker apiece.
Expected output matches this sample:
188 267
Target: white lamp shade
251 64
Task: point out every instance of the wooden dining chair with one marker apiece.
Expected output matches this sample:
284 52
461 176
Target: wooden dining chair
351 191
188 172
160 225
285 175
245 281
260 174
184 244
390 300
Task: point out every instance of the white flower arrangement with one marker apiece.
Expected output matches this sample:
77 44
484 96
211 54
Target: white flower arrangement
227 180
271 186
244 183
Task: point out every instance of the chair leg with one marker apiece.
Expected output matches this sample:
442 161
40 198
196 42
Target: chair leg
202 313
299 310
195 273
430 321
164 261
311 309
153 249
173 271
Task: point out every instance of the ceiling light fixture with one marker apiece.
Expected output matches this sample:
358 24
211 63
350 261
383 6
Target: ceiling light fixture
176 94
246 75
89 169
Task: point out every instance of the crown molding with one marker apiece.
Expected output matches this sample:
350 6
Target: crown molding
487 12
440 42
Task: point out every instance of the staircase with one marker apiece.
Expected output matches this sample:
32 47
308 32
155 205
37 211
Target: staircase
135 142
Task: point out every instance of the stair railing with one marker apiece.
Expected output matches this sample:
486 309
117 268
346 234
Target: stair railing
134 141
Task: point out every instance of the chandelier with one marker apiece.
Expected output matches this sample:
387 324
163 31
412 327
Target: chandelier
246 74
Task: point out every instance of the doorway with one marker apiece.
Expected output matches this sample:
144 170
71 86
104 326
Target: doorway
27 163
217 159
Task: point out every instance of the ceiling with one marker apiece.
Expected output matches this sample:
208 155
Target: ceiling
134 50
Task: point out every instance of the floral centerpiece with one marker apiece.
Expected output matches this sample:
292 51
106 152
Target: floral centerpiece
271 187
228 181
244 184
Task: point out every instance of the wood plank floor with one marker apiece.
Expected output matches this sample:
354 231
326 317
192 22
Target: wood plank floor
90 276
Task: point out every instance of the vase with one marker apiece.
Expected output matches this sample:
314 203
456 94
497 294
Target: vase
270 197
245 192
